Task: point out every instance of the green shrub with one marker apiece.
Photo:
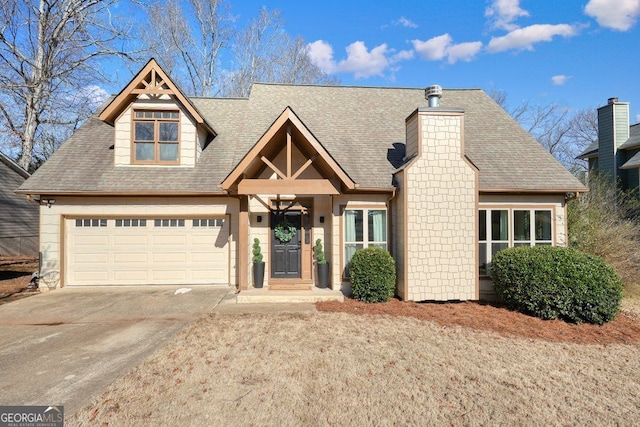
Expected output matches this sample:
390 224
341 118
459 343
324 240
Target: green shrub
373 275
256 251
320 257
556 282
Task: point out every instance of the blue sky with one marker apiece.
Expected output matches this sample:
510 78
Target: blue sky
574 53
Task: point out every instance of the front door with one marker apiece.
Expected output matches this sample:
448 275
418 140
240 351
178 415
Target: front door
286 249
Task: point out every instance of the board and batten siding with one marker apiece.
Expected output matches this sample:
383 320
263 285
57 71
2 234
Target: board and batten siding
613 131
53 233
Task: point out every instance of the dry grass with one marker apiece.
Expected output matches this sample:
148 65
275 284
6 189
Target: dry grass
344 369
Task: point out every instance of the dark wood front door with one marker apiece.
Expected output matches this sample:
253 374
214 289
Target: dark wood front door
286 256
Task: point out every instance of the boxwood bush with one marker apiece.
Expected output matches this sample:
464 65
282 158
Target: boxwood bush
373 275
557 282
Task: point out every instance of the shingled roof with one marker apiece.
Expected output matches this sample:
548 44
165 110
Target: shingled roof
362 128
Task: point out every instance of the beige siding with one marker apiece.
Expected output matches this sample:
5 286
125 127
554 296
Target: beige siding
555 202
53 232
398 234
412 139
188 134
340 203
441 214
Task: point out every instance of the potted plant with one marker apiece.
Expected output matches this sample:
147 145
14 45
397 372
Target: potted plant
258 264
322 266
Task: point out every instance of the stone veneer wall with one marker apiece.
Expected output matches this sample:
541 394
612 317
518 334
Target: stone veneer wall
441 212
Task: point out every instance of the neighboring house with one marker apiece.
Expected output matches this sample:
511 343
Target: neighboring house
160 188
616 153
18 216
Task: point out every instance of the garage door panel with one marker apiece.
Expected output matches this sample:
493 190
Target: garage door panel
133 276
170 257
91 240
131 240
130 258
170 240
92 277
89 258
120 255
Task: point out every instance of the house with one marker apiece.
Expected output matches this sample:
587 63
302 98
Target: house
161 188
18 216
616 152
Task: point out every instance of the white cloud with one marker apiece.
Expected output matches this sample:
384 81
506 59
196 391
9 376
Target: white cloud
560 79
619 15
463 52
637 118
403 55
441 47
360 61
525 38
502 13
433 49
404 22
321 54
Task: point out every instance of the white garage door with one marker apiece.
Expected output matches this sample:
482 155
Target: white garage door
143 251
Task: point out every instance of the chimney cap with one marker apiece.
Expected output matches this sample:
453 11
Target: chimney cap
433 94
612 100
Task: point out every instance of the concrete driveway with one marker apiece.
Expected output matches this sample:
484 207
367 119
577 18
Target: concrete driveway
64 347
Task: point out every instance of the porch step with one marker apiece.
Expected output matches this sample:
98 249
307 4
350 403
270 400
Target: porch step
290 287
257 296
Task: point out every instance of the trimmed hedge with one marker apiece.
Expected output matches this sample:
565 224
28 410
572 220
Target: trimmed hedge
373 275
555 282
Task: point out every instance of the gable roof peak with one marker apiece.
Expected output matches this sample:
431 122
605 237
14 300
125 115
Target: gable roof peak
154 82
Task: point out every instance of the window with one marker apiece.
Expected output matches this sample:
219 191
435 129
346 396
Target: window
168 223
86 222
363 228
131 222
208 222
502 228
156 136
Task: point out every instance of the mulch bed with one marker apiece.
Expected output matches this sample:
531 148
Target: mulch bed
624 329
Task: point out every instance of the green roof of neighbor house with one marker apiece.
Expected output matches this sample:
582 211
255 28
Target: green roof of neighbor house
362 128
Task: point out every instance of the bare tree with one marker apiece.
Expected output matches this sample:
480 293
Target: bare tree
50 50
263 52
562 132
187 37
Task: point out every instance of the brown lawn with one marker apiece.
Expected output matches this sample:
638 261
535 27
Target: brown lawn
391 364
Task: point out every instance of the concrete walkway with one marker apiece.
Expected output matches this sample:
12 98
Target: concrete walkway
65 347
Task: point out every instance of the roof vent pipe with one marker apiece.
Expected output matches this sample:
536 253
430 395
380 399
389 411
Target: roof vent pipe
433 95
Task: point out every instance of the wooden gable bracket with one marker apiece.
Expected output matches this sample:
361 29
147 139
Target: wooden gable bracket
154 82
288 181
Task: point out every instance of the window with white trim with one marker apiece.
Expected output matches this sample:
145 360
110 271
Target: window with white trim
363 228
499 229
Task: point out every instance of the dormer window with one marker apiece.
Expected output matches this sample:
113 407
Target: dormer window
156 136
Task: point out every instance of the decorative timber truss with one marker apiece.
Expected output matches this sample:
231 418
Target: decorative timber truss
285 134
